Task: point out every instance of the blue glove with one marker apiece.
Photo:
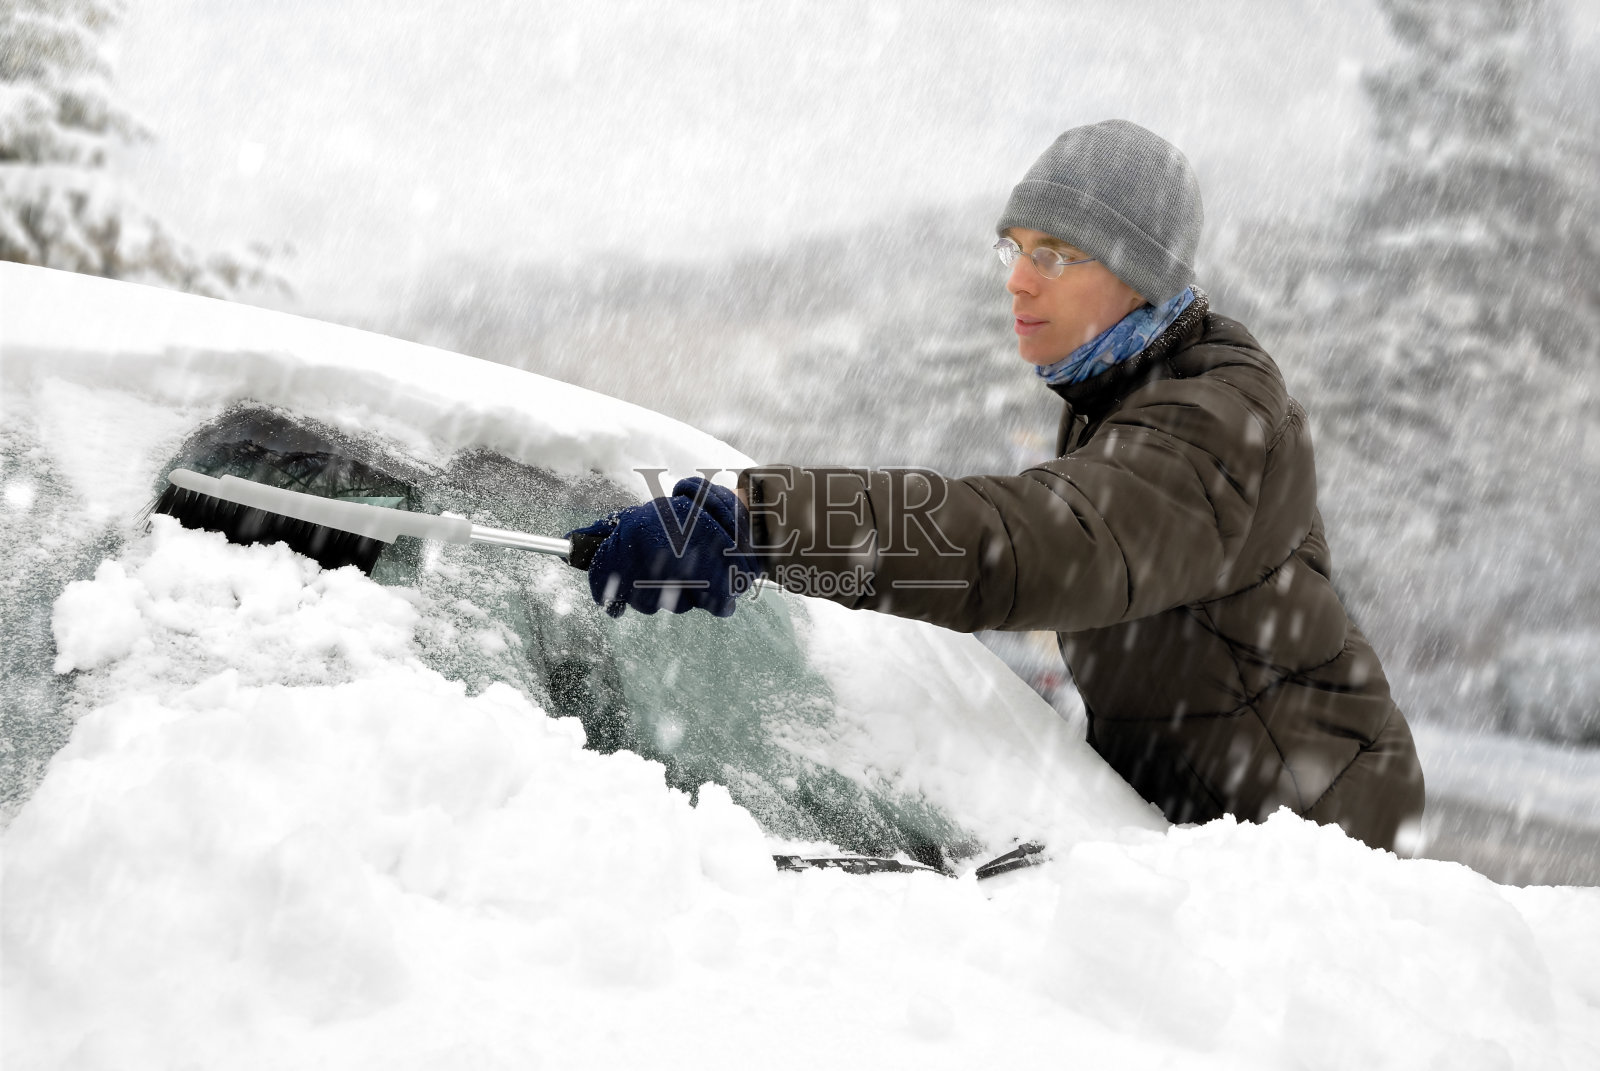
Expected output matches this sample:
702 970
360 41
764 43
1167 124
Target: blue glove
692 549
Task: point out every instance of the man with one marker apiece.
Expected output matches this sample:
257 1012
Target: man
1174 544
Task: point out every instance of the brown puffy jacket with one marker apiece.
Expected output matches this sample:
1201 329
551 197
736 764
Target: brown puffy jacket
1175 547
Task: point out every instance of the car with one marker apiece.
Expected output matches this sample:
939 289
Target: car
785 705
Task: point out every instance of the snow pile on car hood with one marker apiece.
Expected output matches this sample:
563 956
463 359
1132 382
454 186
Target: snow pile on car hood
350 862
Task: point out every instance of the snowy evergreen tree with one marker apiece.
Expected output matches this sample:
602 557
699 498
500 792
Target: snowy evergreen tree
1475 201
1445 333
60 205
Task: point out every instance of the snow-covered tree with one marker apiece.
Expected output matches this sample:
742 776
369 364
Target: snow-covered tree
1478 200
60 205
1445 333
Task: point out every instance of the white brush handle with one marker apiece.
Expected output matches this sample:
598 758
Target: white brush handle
373 522
501 537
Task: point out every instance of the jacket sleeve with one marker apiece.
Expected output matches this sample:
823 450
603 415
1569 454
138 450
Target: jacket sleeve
1148 514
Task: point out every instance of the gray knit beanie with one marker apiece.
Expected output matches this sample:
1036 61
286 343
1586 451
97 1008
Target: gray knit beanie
1120 194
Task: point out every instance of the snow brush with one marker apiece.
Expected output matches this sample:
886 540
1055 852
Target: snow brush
333 533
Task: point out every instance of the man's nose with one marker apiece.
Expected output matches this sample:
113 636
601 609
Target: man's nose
1024 278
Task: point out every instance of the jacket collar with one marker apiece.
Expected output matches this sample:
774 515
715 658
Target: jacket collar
1097 392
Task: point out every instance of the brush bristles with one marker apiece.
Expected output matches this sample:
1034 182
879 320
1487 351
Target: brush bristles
329 547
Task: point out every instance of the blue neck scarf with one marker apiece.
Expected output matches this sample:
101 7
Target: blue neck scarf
1126 338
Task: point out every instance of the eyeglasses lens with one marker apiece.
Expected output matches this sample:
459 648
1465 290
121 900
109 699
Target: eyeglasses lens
1049 262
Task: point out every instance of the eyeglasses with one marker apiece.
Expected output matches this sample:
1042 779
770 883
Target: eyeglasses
1049 262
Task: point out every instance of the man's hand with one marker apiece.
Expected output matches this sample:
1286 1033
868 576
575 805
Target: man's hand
692 549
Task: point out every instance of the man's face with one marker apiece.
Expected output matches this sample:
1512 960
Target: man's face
1053 317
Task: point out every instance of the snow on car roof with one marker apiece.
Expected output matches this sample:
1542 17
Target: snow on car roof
430 399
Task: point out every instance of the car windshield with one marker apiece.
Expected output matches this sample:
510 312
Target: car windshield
711 700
